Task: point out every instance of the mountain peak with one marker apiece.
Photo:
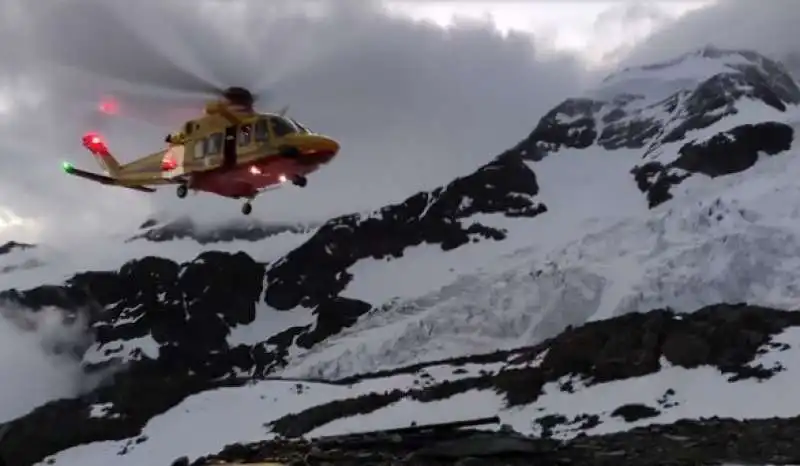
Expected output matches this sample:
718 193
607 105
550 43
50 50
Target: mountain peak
659 80
653 106
709 53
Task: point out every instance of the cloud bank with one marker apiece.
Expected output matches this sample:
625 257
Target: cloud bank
768 27
413 105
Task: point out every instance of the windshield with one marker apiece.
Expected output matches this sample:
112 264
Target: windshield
282 126
301 127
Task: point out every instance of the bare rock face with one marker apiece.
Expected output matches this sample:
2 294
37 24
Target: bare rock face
725 153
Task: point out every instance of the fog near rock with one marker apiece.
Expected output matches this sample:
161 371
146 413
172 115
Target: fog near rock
37 363
771 28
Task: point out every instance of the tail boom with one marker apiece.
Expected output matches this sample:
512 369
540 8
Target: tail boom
102 179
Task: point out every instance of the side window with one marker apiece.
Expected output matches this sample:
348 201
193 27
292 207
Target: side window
261 130
214 145
245 134
281 127
200 148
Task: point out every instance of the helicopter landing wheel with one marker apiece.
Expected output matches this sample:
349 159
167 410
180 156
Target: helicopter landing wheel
300 181
247 208
183 190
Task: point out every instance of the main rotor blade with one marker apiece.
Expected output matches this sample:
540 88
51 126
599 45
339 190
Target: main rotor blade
110 47
177 53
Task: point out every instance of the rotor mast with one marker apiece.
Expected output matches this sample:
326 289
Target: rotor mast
232 99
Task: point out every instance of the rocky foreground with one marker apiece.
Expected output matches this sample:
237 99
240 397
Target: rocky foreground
704 442
728 337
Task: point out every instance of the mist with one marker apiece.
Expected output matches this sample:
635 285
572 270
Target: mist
38 359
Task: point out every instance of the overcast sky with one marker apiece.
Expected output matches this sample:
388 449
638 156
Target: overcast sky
412 103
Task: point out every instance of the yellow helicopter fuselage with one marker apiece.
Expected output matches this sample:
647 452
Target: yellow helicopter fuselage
227 152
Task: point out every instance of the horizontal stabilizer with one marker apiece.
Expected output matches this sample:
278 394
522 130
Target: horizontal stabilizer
102 179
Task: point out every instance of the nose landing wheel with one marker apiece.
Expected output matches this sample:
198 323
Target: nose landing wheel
247 207
182 191
300 181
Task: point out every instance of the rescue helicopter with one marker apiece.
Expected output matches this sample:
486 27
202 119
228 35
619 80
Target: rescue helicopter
230 150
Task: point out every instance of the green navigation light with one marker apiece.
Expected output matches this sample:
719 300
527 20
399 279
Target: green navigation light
67 167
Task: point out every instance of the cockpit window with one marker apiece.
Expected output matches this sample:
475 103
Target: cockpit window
282 126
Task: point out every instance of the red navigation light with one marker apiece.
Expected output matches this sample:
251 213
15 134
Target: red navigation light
94 143
168 162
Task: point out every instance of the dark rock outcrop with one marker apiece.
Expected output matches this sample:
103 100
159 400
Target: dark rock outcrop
186 228
725 153
180 313
14 246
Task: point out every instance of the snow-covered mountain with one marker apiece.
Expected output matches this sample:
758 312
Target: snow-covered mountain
584 281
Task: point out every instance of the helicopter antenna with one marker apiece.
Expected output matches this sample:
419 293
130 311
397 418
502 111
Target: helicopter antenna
283 110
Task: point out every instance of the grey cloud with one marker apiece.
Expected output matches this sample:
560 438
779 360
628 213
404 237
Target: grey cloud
625 13
769 27
412 105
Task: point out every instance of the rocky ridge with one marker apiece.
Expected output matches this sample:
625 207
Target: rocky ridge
661 109
185 228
